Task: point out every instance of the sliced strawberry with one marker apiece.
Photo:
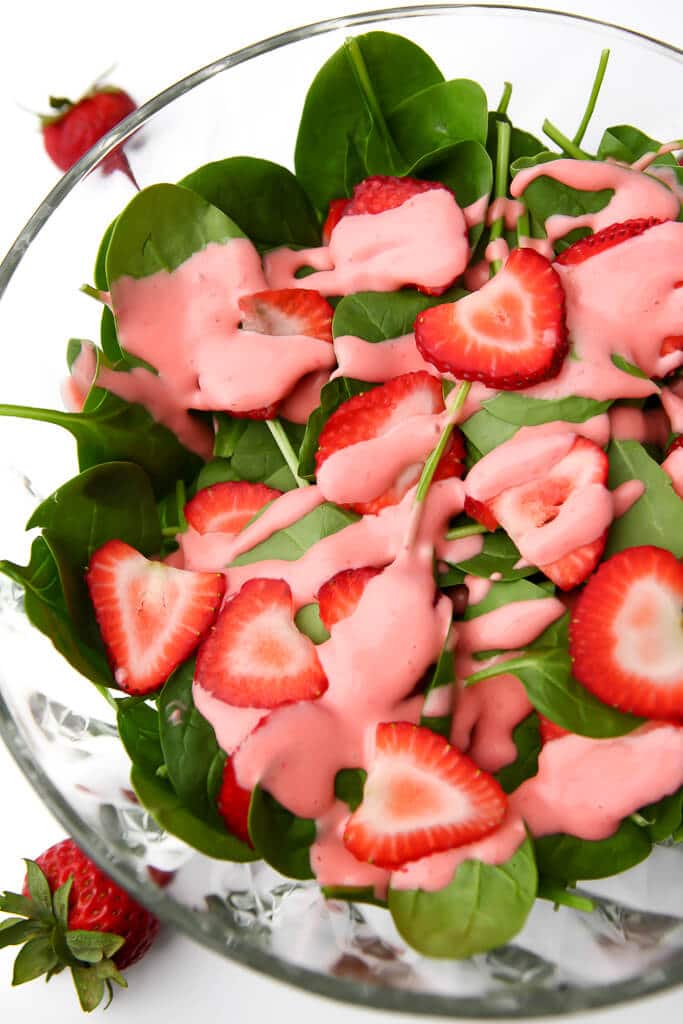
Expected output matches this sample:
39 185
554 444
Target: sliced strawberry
151 616
538 502
382 192
338 598
255 656
550 731
421 796
676 443
673 343
227 507
288 311
233 804
481 511
626 633
374 413
266 412
509 334
610 236
335 213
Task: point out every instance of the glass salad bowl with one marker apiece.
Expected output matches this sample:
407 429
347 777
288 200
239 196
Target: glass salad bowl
57 725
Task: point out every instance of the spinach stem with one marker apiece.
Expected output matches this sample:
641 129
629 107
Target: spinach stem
106 693
25 412
500 184
466 531
95 293
170 531
558 894
360 71
592 99
505 98
561 140
523 226
286 450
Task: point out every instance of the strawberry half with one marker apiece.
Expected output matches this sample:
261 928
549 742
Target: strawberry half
538 502
255 656
508 335
377 411
339 597
421 796
626 633
288 311
151 616
227 507
233 804
610 236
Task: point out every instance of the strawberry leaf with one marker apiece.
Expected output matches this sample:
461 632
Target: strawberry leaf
93 947
13 903
89 986
14 932
38 888
60 903
35 958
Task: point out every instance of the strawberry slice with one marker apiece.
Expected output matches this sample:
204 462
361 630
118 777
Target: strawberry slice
550 731
421 796
539 501
288 311
151 616
377 411
336 211
480 511
255 656
509 334
227 507
675 444
626 633
610 236
338 598
233 804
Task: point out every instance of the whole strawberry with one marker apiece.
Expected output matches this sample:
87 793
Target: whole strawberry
71 914
73 128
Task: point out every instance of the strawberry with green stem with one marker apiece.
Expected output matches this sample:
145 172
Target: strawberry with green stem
71 914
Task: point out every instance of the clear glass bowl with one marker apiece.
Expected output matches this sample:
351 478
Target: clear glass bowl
56 724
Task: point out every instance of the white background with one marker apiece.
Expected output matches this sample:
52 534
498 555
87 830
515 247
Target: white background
61 48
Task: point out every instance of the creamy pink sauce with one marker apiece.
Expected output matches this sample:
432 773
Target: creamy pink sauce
475 213
77 385
377 362
633 770
673 466
510 210
626 495
648 427
305 397
422 242
672 400
477 275
669 177
644 162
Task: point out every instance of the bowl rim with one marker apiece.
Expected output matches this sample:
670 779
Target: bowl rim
533 1003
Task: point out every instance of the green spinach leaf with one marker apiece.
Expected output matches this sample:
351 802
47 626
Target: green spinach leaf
527 740
291 542
506 592
664 817
627 144
570 859
434 119
486 431
483 907
349 784
528 412
253 452
378 316
138 726
443 675
281 838
656 517
308 620
499 554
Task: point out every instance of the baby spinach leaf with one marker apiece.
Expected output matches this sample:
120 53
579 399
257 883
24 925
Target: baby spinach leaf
229 430
435 118
138 726
161 228
443 675
563 895
265 199
378 316
623 364
665 817
528 412
308 620
99 272
47 609
332 396
545 673
627 144
499 554
281 838
349 784
486 431
505 592
570 859
467 170
114 500
522 143
483 907
656 517
544 197
291 542
527 739
159 798
340 139
353 894
255 455
215 471
189 744
109 429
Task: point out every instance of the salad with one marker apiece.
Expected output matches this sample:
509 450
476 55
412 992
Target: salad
375 548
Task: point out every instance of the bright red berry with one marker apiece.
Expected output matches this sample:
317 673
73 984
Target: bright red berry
74 128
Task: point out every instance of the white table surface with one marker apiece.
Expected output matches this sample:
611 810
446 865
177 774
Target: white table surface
63 47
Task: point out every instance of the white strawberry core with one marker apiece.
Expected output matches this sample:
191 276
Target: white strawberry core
270 647
400 797
648 631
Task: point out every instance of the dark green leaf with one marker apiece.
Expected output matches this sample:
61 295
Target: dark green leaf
627 144
545 197
14 903
257 458
349 784
353 894
281 838
215 472
138 726
438 117
483 907
657 516
229 431
467 170
35 958
378 316
486 431
499 554
265 199
501 593
100 273
527 412
60 903
527 740
92 946
331 397
339 141
560 895
623 364
443 675
309 622
522 144
664 817
291 543
161 228
570 859
14 932
89 986
38 888
159 798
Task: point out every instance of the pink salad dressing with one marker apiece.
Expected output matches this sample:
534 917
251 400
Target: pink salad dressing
672 400
423 242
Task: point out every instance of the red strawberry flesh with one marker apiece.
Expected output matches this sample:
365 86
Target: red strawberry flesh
508 335
288 311
73 130
227 507
255 656
233 804
381 192
151 615
339 597
607 238
421 796
626 633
